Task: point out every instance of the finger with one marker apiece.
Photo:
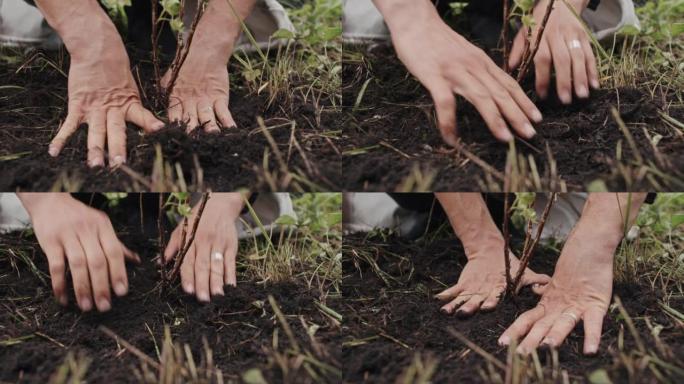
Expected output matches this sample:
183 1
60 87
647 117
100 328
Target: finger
97 268
215 245
493 299
97 135
471 306
563 67
207 119
593 322
114 252
521 325
69 126
143 118
202 271
116 137
515 56
455 303
561 328
230 254
130 255
175 111
223 113
516 92
579 69
55 256
592 70
79 272
445 106
173 245
187 271
507 106
535 335
538 281
477 94
190 115
542 69
449 293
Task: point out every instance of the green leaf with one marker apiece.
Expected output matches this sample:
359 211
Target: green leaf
283 34
253 376
286 220
677 220
597 186
599 376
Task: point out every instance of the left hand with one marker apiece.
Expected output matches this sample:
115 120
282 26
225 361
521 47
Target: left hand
564 43
210 261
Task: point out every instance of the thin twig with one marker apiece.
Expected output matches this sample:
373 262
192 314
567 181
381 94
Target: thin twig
529 56
186 247
179 59
161 237
155 46
527 256
506 235
504 34
129 347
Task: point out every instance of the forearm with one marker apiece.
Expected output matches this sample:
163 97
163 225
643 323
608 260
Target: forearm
84 27
470 220
229 202
402 14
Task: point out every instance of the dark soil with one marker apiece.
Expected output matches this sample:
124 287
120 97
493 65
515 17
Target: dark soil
238 328
233 159
394 123
407 312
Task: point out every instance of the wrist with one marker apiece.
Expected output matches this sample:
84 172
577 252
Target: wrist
231 203
401 15
32 201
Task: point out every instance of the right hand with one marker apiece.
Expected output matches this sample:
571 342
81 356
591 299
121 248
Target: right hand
446 63
84 238
102 92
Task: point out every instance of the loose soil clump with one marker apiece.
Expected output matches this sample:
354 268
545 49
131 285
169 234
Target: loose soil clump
391 316
391 134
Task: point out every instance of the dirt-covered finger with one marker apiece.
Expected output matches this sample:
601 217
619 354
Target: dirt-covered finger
223 113
471 306
561 328
175 110
116 137
207 117
449 293
79 272
69 126
97 136
593 323
451 306
190 114
143 118
493 298
521 325
534 337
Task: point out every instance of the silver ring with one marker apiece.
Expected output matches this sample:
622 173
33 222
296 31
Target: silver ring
575 44
571 315
218 256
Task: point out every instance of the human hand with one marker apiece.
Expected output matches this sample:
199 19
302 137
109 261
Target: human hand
84 238
483 281
200 93
210 261
101 89
564 43
446 63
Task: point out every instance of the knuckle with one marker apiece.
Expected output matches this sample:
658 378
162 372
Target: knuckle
56 267
77 262
97 261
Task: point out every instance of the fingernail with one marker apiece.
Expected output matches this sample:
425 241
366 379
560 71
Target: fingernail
565 98
537 116
591 350
95 163
189 288
120 288
157 126
104 305
582 91
547 342
86 304
62 300
444 310
520 350
462 314
504 340
53 151
529 130
506 134
595 84
542 95
203 296
233 281
219 292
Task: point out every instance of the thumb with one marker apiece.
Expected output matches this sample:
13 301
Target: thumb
538 281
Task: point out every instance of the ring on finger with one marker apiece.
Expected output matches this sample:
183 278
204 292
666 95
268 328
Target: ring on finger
217 256
575 44
571 315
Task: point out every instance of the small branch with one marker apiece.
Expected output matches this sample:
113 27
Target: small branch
155 46
506 235
528 57
504 34
129 347
161 237
183 49
527 256
185 247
